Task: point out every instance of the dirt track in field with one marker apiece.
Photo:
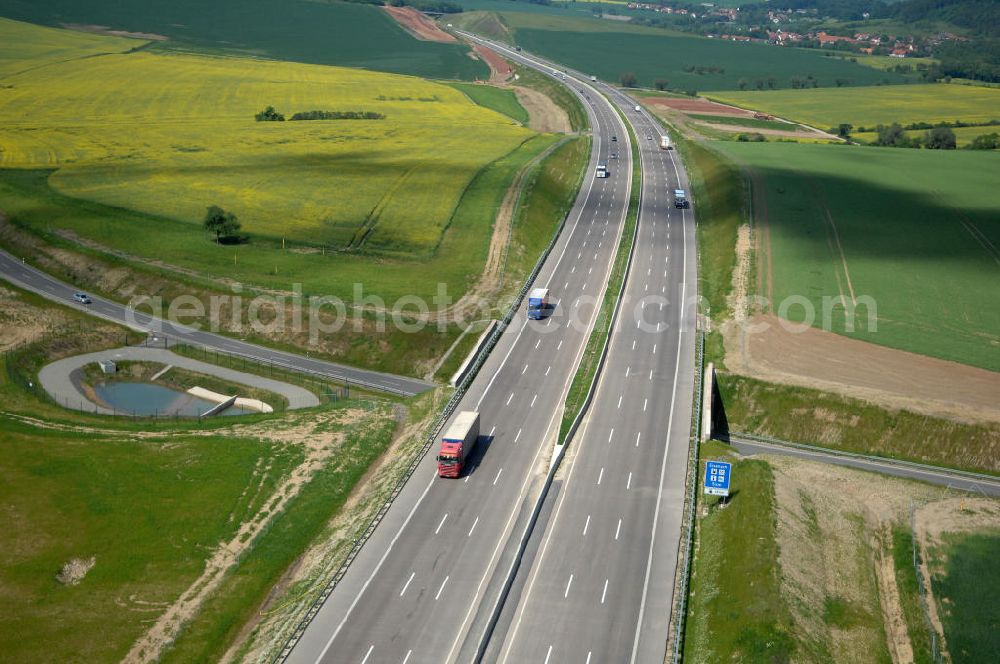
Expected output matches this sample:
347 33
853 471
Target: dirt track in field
419 25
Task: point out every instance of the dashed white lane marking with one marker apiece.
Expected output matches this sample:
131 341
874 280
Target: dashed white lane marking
368 654
441 589
566 287
540 341
474 523
600 476
620 397
605 592
637 437
573 270
560 345
548 654
586 525
654 349
407 658
611 435
517 436
650 374
407 584
633 344
443 519
497 478
644 402
618 530
588 657
565 594
509 398
548 369
533 399
524 369
590 271
628 485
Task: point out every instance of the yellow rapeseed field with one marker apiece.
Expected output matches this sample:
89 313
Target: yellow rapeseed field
869 106
169 134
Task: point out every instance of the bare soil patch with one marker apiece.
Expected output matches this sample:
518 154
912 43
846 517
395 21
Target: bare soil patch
419 25
72 572
500 69
544 114
696 105
767 349
834 534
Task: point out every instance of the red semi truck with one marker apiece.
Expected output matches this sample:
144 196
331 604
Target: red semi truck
457 443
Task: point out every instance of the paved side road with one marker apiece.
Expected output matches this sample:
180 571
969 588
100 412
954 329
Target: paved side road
984 484
16 272
55 377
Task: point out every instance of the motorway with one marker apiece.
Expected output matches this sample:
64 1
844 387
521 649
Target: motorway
20 274
415 590
600 588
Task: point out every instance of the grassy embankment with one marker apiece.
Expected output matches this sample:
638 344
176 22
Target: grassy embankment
736 609
746 122
500 100
148 500
601 330
323 33
556 91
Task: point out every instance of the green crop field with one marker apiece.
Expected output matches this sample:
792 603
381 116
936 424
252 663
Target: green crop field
609 48
328 33
963 135
966 595
867 107
917 231
166 135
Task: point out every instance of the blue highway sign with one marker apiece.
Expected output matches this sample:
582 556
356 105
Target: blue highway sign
717 476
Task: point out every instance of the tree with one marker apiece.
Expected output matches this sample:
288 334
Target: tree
628 80
893 136
269 115
742 84
985 142
222 223
661 84
844 130
940 138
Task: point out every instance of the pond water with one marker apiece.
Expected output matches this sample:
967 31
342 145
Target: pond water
157 400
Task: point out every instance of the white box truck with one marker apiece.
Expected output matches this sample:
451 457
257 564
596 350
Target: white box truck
538 303
664 142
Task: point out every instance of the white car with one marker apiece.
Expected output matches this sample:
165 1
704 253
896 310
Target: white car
82 298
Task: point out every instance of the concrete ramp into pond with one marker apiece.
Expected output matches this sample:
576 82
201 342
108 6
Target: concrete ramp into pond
56 378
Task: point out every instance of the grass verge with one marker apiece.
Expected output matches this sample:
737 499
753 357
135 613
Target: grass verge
909 595
587 369
966 595
736 611
852 425
557 92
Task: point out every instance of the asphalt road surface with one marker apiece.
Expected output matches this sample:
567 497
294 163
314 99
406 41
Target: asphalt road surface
600 587
15 271
972 482
415 591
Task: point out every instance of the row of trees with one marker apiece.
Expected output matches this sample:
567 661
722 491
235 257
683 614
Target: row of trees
271 115
894 136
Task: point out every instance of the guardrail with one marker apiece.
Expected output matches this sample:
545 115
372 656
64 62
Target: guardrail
439 422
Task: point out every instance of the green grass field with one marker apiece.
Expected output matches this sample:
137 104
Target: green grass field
156 147
498 99
966 596
745 122
147 513
870 106
916 231
609 48
328 33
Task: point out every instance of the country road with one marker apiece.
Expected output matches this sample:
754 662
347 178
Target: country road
20 274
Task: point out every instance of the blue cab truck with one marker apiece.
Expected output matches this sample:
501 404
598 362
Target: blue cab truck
538 303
